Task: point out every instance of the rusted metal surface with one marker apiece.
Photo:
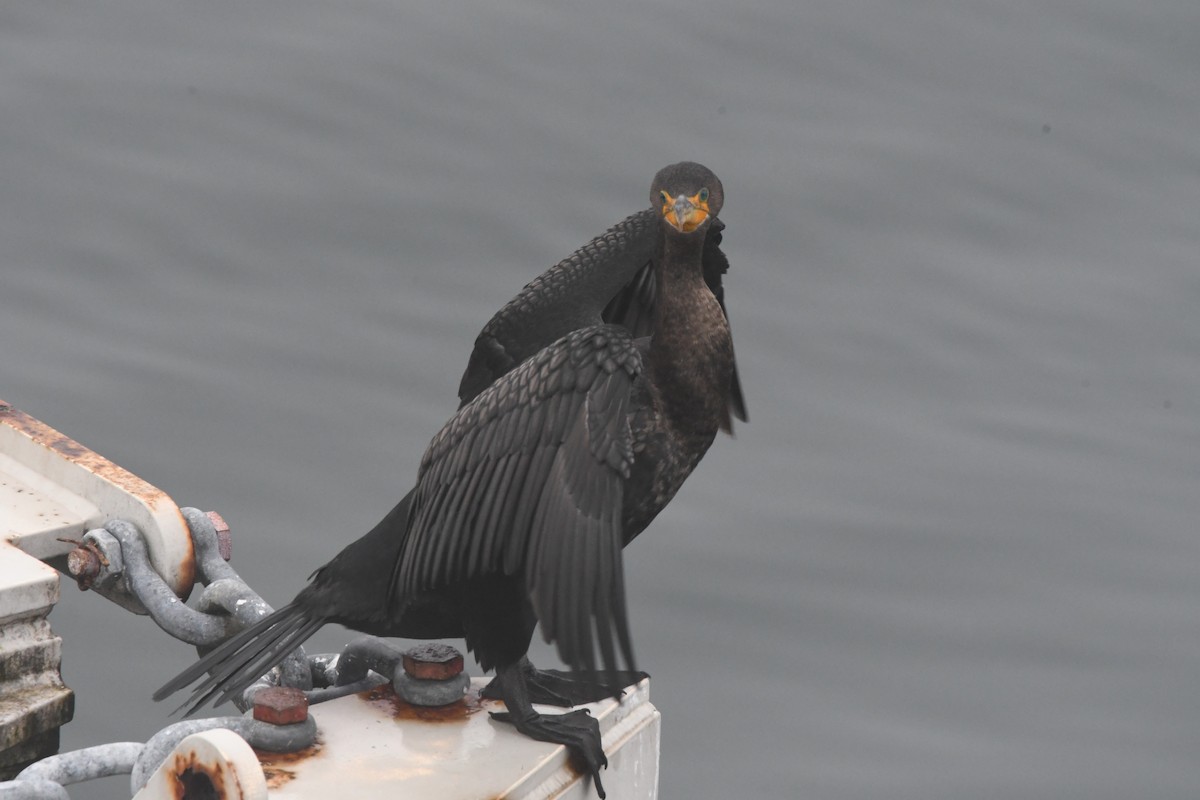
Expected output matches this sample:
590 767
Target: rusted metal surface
97 563
280 768
433 661
245 730
280 705
224 537
193 779
386 699
96 487
73 451
84 564
379 747
432 675
213 765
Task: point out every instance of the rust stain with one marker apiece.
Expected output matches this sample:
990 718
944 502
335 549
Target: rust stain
193 779
278 767
187 567
385 699
432 661
51 439
42 434
277 777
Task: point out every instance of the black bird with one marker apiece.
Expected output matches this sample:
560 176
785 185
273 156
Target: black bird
588 400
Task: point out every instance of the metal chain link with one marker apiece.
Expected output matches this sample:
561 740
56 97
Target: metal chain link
115 563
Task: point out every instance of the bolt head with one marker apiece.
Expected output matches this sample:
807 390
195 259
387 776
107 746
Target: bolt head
280 705
224 537
84 565
433 661
83 561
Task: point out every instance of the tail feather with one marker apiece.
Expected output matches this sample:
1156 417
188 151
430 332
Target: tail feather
249 674
244 658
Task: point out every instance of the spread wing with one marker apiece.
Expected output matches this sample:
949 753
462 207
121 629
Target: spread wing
610 279
633 306
568 296
527 480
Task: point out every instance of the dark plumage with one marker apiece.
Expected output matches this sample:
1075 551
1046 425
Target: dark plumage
587 401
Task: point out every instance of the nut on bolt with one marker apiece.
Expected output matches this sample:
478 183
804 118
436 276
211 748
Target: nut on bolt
96 561
224 537
280 705
84 564
433 675
433 661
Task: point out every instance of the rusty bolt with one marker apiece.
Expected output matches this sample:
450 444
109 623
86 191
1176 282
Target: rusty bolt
84 564
224 538
433 676
280 705
433 661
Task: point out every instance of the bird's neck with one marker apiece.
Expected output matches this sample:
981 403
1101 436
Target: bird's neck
691 354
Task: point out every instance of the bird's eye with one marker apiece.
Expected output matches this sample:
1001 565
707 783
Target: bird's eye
703 195
666 198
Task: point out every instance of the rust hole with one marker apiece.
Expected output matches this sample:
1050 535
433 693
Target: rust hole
197 786
192 779
385 699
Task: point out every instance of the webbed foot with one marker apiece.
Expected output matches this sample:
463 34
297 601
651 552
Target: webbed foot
578 730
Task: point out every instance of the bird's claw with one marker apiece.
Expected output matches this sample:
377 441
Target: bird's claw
578 731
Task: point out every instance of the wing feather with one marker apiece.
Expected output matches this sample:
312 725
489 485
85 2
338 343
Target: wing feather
567 297
528 479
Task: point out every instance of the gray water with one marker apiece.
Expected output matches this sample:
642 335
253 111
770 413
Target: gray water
245 248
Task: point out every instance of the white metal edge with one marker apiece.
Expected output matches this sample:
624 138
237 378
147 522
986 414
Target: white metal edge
28 588
115 492
221 754
625 726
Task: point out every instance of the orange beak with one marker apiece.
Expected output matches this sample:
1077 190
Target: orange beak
684 213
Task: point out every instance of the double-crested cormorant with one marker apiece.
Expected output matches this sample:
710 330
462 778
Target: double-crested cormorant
588 399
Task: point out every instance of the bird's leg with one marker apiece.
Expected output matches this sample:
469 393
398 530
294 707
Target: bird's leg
578 730
554 687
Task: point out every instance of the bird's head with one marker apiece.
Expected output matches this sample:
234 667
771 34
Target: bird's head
688 195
